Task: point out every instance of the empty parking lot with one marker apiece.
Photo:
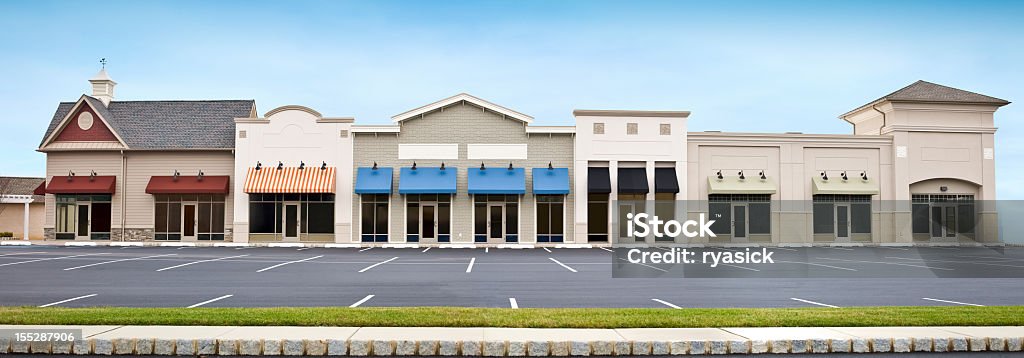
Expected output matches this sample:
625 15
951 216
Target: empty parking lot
510 278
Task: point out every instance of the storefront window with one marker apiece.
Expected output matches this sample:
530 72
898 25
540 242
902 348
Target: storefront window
550 218
943 215
740 215
374 213
291 214
842 215
199 217
597 217
427 216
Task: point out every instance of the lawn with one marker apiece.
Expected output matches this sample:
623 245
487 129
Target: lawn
529 317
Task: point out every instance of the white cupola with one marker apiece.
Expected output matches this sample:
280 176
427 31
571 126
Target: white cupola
103 86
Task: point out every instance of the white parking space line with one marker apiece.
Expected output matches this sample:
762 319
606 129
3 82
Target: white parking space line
67 300
512 302
563 265
378 264
200 261
888 263
813 303
471 263
289 263
425 250
738 266
841 248
209 301
953 302
957 262
48 259
362 301
606 249
121 260
302 249
645 265
23 253
546 249
487 250
241 248
365 249
665 303
814 264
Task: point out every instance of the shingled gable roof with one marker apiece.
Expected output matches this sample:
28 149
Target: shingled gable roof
166 124
21 186
923 91
457 99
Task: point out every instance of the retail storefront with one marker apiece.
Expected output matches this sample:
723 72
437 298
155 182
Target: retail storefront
464 170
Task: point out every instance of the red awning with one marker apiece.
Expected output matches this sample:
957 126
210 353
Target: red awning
209 184
41 189
100 184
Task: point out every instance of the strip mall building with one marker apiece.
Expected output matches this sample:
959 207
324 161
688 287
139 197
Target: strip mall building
463 170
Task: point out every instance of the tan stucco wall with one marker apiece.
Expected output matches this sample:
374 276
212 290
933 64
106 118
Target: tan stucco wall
12 219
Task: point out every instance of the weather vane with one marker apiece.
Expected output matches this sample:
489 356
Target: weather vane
103 62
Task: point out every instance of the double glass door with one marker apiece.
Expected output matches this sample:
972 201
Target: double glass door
944 220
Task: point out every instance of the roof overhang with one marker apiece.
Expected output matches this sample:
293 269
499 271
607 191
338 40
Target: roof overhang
460 98
629 113
551 129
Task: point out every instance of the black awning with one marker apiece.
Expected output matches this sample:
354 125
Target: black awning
598 181
633 181
665 180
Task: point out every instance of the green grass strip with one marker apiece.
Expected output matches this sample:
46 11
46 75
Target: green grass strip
530 317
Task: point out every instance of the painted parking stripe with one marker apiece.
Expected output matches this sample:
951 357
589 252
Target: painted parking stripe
813 303
365 249
645 265
469 268
546 249
302 249
666 303
606 249
209 301
198 262
512 302
815 264
362 301
23 253
487 250
425 250
953 302
841 248
289 263
121 260
378 264
563 265
742 267
957 262
48 259
67 300
888 263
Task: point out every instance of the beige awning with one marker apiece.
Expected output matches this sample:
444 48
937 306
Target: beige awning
852 186
733 185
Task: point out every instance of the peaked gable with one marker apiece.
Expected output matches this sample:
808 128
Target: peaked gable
85 125
460 98
924 91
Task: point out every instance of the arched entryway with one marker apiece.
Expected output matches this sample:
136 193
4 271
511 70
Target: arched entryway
944 210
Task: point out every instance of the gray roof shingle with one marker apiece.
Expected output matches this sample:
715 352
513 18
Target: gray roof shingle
924 91
20 186
167 124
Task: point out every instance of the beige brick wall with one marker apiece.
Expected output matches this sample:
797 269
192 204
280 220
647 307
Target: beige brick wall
464 124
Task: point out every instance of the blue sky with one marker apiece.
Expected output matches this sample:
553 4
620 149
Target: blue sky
754 66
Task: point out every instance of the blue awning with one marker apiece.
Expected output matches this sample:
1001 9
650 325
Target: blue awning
427 180
497 181
373 181
551 181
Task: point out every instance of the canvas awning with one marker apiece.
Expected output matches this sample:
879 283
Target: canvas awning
41 189
290 180
374 180
427 180
852 186
550 181
496 181
192 184
665 180
598 180
735 185
633 181
100 184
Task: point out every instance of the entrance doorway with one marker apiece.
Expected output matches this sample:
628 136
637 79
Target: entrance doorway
842 222
428 220
188 221
290 221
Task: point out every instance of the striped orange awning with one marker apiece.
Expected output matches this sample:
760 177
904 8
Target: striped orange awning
290 180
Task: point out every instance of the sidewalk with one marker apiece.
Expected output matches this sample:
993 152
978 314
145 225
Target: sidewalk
497 342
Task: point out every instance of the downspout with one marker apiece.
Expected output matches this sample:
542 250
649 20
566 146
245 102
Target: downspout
124 185
874 107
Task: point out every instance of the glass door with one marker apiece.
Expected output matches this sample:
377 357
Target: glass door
739 221
188 221
495 226
290 221
82 224
943 221
428 220
842 221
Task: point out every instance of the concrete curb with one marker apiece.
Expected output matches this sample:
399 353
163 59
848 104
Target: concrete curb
501 342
